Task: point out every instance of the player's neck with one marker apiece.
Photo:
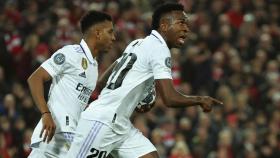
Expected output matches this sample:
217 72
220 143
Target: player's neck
163 35
92 47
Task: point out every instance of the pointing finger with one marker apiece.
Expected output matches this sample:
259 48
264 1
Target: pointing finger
217 101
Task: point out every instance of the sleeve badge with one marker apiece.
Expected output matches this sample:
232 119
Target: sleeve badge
59 58
168 62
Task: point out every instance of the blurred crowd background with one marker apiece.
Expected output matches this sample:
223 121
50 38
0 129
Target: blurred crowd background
233 54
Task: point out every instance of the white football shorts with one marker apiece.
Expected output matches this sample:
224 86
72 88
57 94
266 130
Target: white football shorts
96 140
56 148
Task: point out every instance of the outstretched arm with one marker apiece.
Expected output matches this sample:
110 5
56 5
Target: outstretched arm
36 86
173 98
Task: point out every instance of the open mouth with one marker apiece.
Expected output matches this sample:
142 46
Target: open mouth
182 39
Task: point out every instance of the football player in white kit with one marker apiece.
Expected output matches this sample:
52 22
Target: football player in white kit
74 73
105 126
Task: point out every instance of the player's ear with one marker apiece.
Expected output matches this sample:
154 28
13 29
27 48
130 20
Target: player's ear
97 33
94 32
163 25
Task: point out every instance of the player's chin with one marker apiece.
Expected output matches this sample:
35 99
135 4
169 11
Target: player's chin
106 50
178 45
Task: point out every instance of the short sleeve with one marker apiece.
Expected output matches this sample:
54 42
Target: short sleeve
161 63
56 64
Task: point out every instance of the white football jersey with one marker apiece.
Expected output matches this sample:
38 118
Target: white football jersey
143 61
74 75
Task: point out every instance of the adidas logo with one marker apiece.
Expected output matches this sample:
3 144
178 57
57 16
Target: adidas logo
83 74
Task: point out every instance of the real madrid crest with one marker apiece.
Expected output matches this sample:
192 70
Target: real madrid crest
84 63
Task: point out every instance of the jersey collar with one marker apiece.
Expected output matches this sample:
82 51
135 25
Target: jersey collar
158 36
86 50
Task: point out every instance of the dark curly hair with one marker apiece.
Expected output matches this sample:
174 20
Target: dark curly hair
92 18
163 9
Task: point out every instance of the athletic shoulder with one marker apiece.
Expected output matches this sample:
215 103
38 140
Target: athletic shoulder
132 44
71 52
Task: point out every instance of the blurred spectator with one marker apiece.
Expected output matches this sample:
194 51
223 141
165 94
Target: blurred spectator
4 89
9 104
